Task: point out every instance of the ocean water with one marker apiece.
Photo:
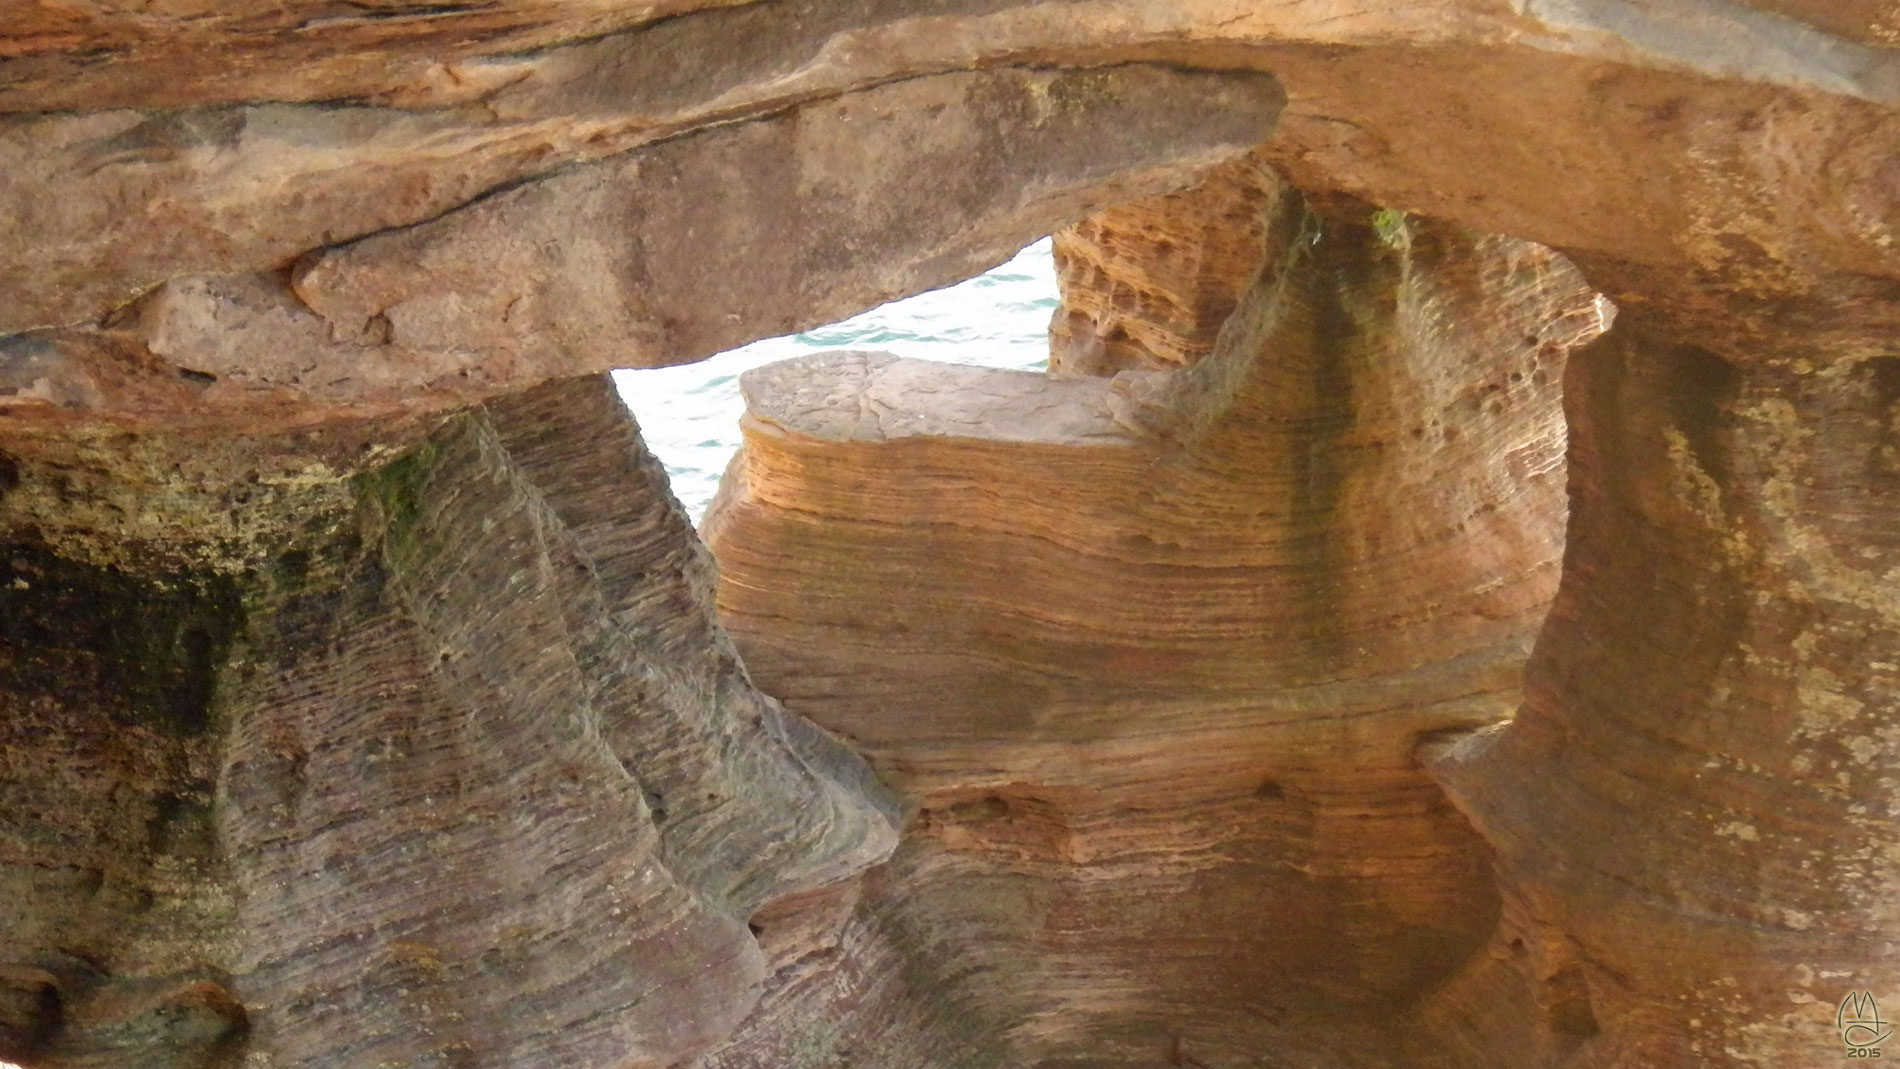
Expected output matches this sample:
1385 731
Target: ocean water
689 415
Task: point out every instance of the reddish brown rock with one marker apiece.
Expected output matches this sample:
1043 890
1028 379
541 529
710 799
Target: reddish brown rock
681 251
92 55
657 256
466 775
1149 283
252 256
1581 113
1696 806
1154 652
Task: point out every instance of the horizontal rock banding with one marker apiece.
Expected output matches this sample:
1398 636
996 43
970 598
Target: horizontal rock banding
1696 808
255 252
1153 651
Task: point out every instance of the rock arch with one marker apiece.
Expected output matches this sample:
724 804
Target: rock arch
298 303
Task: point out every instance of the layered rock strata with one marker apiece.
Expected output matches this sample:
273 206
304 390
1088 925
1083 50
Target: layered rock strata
1149 283
1154 652
1605 126
394 727
1696 811
254 255
466 774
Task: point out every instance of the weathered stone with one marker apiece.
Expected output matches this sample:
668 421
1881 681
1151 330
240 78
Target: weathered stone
1166 641
1696 806
253 255
662 255
675 253
466 775
1600 125
1149 283
88 56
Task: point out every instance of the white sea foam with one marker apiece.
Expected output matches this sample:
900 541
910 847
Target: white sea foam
689 415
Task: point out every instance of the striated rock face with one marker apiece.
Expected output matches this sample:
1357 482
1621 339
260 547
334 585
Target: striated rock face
88 56
1148 284
1154 652
466 775
360 708
1696 808
360 699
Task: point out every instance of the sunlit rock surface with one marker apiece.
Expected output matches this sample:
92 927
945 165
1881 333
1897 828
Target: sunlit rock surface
350 655
1696 810
1155 652
1149 283
665 253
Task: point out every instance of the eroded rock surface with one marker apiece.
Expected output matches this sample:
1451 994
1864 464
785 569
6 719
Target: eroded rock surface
1155 652
466 774
277 280
659 255
1696 808
1148 284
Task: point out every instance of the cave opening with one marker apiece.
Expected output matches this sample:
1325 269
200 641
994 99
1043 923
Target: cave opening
689 413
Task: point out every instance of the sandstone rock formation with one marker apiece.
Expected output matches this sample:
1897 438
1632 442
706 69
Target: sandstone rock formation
417 787
355 669
1149 283
1167 641
1695 811
664 253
